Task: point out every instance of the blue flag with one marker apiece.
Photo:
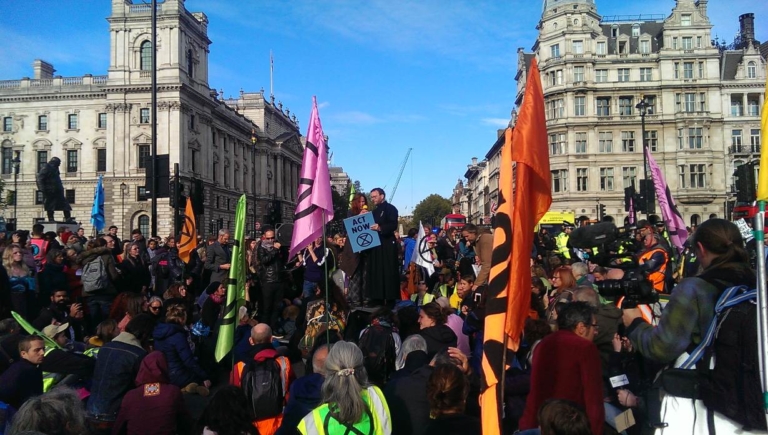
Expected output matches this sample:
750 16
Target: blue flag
97 212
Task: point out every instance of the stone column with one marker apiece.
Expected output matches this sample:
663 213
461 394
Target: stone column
279 177
263 186
743 104
293 182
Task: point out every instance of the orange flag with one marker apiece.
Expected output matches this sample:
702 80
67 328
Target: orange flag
188 240
524 196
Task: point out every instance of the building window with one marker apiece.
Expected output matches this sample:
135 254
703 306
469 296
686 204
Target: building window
751 70
677 70
601 75
628 141
102 120
687 43
38 197
144 116
578 74
143 154
560 181
652 139
601 48
629 176
578 47
145 63
754 139
192 121
582 179
42 159
581 142
236 182
556 78
645 46
650 101
605 141
101 160
194 160
736 106
606 178
674 43
693 139
555 51
71 161
645 74
697 176
753 107
635 30
72 121
625 106
736 138
7 160
190 63
7 124
556 108
70 195
141 194
690 102
144 224
698 42
215 172
701 70
687 70
614 31
702 102
579 106
623 74
685 19
604 106
557 143
42 122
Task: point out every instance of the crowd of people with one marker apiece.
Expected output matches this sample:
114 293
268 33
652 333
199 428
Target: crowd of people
115 336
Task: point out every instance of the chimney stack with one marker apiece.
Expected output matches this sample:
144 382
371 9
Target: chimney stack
747 29
474 161
43 69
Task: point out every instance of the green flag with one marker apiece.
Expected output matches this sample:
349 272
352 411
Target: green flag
32 331
351 194
236 287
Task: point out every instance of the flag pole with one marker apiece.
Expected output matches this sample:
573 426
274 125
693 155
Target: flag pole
325 268
762 304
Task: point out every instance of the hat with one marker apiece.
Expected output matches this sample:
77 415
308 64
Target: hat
567 224
660 224
52 331
446 271
642 223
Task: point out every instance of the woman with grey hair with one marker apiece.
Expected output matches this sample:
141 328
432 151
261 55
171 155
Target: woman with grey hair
412 343
350 404
58 412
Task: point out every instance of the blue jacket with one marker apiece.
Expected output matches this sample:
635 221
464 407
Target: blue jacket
115 373
305 395
173 341
409 244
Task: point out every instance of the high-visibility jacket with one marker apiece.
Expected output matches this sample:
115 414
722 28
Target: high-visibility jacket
562 245
428 297
50 379
658 276
269 425
375 421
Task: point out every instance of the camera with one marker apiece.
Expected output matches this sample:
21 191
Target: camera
634 288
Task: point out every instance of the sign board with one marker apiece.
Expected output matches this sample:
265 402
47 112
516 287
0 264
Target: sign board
359 232
746 231
553 221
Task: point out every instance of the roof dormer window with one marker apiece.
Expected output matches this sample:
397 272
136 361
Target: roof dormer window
685 20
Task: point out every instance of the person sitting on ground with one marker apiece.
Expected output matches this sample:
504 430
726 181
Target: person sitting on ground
305 393
173 339
349 403
59 311
228 413
438 335
24 378
563 417
59 412
447 390
421 297
134 304
463 289
62 363
106 331
456 324
155 406
407 363
10 335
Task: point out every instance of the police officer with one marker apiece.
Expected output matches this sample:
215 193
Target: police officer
562 241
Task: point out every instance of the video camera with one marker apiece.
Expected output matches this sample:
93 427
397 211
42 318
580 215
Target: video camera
635 289
606 236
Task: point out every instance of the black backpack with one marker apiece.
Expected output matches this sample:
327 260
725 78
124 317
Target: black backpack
263 386
733 386
379 353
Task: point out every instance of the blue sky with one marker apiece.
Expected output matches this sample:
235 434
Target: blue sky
433 75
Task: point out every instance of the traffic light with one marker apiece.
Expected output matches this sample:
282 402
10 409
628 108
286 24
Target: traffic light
277 212
629 196
600 211
647 203
745 183
198 196
177 199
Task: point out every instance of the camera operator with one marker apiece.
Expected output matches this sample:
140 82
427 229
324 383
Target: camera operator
686 318
653 261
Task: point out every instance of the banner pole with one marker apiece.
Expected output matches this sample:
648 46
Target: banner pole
762 302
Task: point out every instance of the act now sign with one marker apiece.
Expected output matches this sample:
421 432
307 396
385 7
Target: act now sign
359 232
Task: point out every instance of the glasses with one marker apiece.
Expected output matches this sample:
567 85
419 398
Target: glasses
269 238
153 308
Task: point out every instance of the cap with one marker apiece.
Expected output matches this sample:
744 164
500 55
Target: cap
567 224
660 224
52 331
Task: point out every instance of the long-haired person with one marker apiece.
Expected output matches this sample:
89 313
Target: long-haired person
22 283
683 323
353 264
350 404
447 391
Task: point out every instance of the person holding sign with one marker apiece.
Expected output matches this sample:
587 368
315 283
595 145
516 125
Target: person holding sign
353 263
383 276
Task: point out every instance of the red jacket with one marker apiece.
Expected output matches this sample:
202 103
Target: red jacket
566 366
155 407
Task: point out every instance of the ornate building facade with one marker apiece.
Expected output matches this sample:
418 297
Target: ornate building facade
101 125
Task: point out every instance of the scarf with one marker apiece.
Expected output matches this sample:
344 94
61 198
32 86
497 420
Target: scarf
218 300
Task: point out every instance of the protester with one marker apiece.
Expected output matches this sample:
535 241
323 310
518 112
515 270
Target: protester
270 268
228 413
173 339
438 335
100 278
447 390
135 271
59 412
24 378
22 283
305 393
218 257
383 271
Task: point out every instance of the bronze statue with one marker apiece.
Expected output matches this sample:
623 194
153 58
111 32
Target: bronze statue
49 182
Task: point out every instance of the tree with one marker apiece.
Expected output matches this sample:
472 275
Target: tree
431 210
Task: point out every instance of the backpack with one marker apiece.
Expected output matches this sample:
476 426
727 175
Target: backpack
733 386
263 386
379 354
95 276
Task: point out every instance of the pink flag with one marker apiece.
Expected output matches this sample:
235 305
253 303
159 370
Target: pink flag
672 217
314 206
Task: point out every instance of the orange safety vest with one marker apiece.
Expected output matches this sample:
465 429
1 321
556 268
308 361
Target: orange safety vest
658 277
269 425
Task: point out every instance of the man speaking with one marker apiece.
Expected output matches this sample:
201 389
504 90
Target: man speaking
383 277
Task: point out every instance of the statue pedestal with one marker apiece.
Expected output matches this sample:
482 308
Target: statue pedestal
54 226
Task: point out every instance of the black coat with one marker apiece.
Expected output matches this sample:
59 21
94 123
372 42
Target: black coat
135 275
408 403
270 264
216 255
383 264
52 278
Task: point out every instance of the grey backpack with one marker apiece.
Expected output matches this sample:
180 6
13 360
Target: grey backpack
95 276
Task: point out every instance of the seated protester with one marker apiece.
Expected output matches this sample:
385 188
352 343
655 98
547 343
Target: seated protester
178 293
349 404
608 318
155 406
228 412
116 370
155 308
106 331
447 285
62 364
447 390
410 345
563 417
9 343
173 339
456 324
134 305
287 322
24 378
380 343
422 297
264 363
59 412
463 289
539 300
438 335
305 393
61 311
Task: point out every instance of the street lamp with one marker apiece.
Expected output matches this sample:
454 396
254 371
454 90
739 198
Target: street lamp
254 139
16 167
123 192
642 106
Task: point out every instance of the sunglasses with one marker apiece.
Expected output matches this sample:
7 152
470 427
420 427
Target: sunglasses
269 238
153 308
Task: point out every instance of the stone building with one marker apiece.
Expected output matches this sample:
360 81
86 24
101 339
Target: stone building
100 125
702 104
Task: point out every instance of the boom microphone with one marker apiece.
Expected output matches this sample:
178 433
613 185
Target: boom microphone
593 235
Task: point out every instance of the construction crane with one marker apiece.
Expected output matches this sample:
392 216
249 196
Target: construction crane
402 168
